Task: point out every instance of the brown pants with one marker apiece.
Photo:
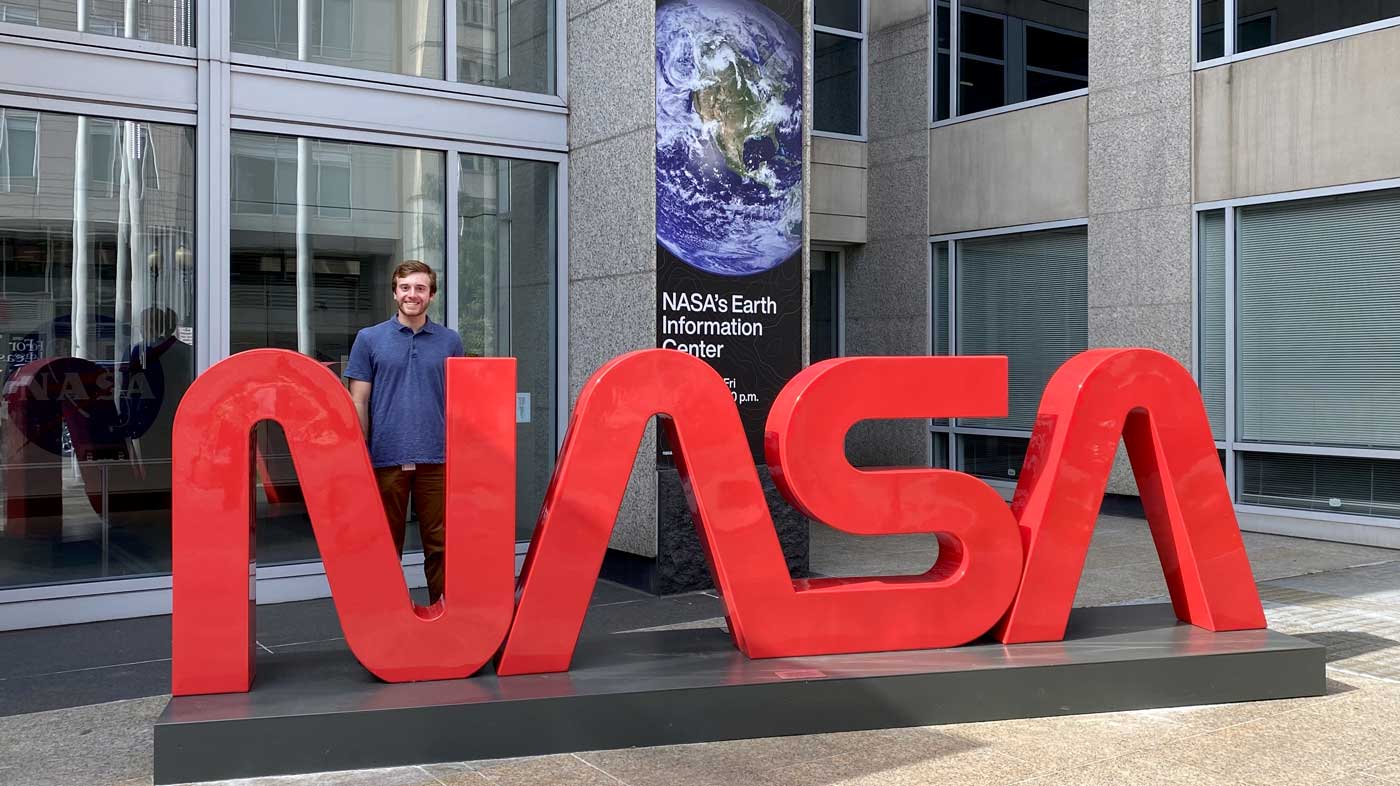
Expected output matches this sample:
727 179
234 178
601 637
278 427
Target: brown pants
426 485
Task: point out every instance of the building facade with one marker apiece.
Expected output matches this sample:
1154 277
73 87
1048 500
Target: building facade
181 180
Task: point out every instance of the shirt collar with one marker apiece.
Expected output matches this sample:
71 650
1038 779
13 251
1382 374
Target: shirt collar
428 326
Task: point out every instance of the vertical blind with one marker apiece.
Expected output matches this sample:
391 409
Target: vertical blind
1024 296
1318 310
1211 236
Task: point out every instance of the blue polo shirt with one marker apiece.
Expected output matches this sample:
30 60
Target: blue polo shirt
407 404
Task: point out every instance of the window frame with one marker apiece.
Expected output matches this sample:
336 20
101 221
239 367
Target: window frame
862 36
1298 522
838 300
954 66
953 430
1229 14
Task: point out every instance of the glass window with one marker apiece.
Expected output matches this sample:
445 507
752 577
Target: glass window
1210 261
97 292
158 21
999 458
1359 486
843 14
392 36
837 89
1212 36
507 43
1024 296
507 300
310 259
1318 352
825 302
1009 53
1262 23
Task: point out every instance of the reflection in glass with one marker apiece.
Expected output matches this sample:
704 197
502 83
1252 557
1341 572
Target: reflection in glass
506 43
822 336
1212 40
837 89
316 230
1335 484
392 36
1261 23
507 271
998 458
942 31
158 21
842 14
97 285
1010 53
1024 296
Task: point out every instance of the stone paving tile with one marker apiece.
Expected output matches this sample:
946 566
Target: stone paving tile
1387 771
391 776
1151 768
1065 742
72 746
928 757
739 761
560 770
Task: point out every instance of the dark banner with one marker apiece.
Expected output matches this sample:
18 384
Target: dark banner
729 193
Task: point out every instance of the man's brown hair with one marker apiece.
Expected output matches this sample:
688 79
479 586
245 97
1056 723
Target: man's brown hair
410 266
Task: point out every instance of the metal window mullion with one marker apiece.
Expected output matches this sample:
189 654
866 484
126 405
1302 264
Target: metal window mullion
954 439
449 41
1229 20
839 303
1231 351
561 303
450 261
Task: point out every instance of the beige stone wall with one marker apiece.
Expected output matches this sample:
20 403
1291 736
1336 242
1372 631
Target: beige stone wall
839 181
1020 167
1320 115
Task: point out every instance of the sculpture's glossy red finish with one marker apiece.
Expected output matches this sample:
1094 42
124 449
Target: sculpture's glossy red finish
979 553
581 505
1152 402
770 615
1143 396
213 617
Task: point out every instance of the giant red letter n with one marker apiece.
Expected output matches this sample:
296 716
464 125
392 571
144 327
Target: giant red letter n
213 514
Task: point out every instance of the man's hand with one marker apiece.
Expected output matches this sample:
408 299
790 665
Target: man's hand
359 393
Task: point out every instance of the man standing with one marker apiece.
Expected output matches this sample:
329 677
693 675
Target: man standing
398 384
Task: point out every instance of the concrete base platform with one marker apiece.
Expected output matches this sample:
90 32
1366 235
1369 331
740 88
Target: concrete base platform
319 710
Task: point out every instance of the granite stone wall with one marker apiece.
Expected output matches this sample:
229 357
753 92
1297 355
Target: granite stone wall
887 279
612 215
1140 214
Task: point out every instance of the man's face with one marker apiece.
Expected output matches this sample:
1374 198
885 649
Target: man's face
413 294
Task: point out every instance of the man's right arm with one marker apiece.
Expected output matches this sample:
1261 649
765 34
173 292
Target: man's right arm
360 371
359 393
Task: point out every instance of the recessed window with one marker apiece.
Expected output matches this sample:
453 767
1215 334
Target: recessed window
838 67
1313 371
1021 295
1262 23
155 21
1007 54
393 37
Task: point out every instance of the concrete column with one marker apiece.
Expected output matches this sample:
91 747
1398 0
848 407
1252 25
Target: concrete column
1140 181
887 279
612 217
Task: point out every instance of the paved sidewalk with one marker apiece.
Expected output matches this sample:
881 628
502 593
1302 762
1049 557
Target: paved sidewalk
1345 597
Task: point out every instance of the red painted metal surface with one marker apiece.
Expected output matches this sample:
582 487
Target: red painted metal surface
1152 402
581 505
979 552
1144 396
213 621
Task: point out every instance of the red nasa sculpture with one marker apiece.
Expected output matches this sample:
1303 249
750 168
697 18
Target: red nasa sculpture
1009 571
